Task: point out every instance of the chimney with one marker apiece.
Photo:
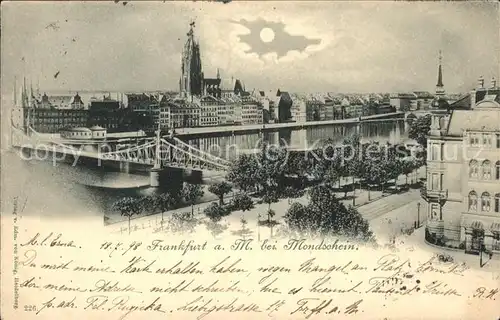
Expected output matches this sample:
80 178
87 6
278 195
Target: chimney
481 82
493 82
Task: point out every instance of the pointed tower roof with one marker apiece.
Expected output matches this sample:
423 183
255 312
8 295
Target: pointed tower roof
440 72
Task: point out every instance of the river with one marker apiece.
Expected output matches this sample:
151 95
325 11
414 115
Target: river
55 189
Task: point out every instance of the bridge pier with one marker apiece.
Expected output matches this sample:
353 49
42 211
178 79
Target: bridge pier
124 166
167 179
154 177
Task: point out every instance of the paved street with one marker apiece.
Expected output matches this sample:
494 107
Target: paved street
370 209
402 216
391 224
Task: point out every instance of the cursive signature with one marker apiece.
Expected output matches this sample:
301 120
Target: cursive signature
51 240
122 303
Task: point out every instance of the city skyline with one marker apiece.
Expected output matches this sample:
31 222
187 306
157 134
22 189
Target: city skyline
366 52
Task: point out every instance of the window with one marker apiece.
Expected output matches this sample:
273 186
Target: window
472 201
435 182
496 240
497 170
486 139
498 140
434 212
435 148
473 169
486 168
485 202
474 140
497 202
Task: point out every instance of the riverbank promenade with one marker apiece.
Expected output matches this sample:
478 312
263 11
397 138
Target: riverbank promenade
372 205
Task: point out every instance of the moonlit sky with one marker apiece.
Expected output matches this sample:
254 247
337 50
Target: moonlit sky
364 47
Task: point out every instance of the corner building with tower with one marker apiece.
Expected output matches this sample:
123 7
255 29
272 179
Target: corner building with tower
462 190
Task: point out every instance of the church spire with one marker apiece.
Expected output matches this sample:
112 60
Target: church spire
439 85
440 71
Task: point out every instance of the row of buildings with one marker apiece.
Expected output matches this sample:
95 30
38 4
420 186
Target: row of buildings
51 113
144 112
203 101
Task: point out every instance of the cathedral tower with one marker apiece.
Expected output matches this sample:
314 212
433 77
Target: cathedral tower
191 81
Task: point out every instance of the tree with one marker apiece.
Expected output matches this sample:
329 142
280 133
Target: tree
373 174
325 215
391 165
243 172
419 162
242 202
270 196
215 228
148 203
191 193
220 189
419 130
298 219
407 167
329 167
332 176
270 214
128 207
271 167
215 212
353 164
291 193
181 222
244 231
164 202
297 165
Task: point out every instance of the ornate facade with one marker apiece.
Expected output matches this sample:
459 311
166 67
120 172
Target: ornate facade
463 176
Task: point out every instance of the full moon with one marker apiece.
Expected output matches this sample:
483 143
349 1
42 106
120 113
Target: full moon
267 35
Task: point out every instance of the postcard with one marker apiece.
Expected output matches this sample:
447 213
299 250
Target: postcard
250 160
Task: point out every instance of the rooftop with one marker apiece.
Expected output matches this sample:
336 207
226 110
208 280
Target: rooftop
485 116
488 94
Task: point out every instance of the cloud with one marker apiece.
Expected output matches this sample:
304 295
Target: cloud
283 41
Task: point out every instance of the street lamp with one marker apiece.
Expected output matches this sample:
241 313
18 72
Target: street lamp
418 214
258 227
481 246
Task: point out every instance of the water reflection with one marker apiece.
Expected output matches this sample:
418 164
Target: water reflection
392 131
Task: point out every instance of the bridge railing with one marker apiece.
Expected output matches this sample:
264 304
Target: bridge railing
134 148
202 153
178 155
